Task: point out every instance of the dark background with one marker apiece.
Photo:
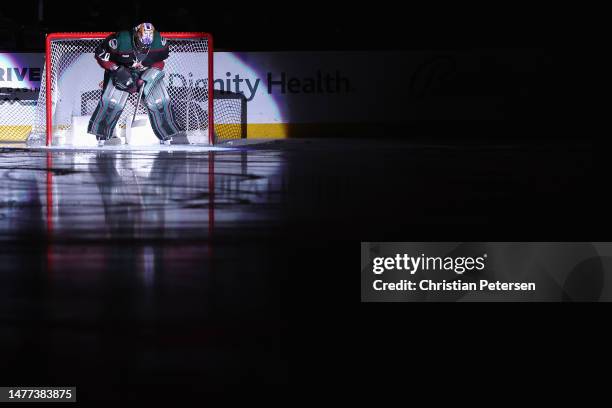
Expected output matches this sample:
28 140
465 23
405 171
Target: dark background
311 25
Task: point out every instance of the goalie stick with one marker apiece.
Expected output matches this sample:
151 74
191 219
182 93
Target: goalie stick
140 122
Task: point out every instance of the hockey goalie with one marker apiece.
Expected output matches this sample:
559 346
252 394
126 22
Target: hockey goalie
133 62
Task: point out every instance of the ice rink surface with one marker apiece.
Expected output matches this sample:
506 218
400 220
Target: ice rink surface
184 266
128 148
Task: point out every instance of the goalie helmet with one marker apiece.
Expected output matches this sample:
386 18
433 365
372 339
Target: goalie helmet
143 36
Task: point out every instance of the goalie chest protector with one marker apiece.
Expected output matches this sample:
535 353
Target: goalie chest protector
121 48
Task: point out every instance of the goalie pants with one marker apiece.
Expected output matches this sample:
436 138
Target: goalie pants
112 103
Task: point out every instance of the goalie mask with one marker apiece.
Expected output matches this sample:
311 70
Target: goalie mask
143 36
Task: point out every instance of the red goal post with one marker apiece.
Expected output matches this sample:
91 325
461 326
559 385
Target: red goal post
101 35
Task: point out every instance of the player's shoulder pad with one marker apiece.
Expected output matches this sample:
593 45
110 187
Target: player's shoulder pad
123 41
159 41
110 42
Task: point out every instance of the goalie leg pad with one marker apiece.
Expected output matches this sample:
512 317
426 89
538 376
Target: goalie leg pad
107 113
151 77
160 115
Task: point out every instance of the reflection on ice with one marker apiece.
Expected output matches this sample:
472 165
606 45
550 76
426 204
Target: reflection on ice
138 194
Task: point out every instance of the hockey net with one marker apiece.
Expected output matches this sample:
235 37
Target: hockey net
71 87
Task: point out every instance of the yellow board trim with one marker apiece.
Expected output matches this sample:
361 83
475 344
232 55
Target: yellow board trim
267 130
19 133
14 133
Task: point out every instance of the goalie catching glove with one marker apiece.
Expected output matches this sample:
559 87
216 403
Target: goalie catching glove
124 80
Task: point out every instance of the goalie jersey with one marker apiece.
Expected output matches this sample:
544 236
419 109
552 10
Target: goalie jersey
118 49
